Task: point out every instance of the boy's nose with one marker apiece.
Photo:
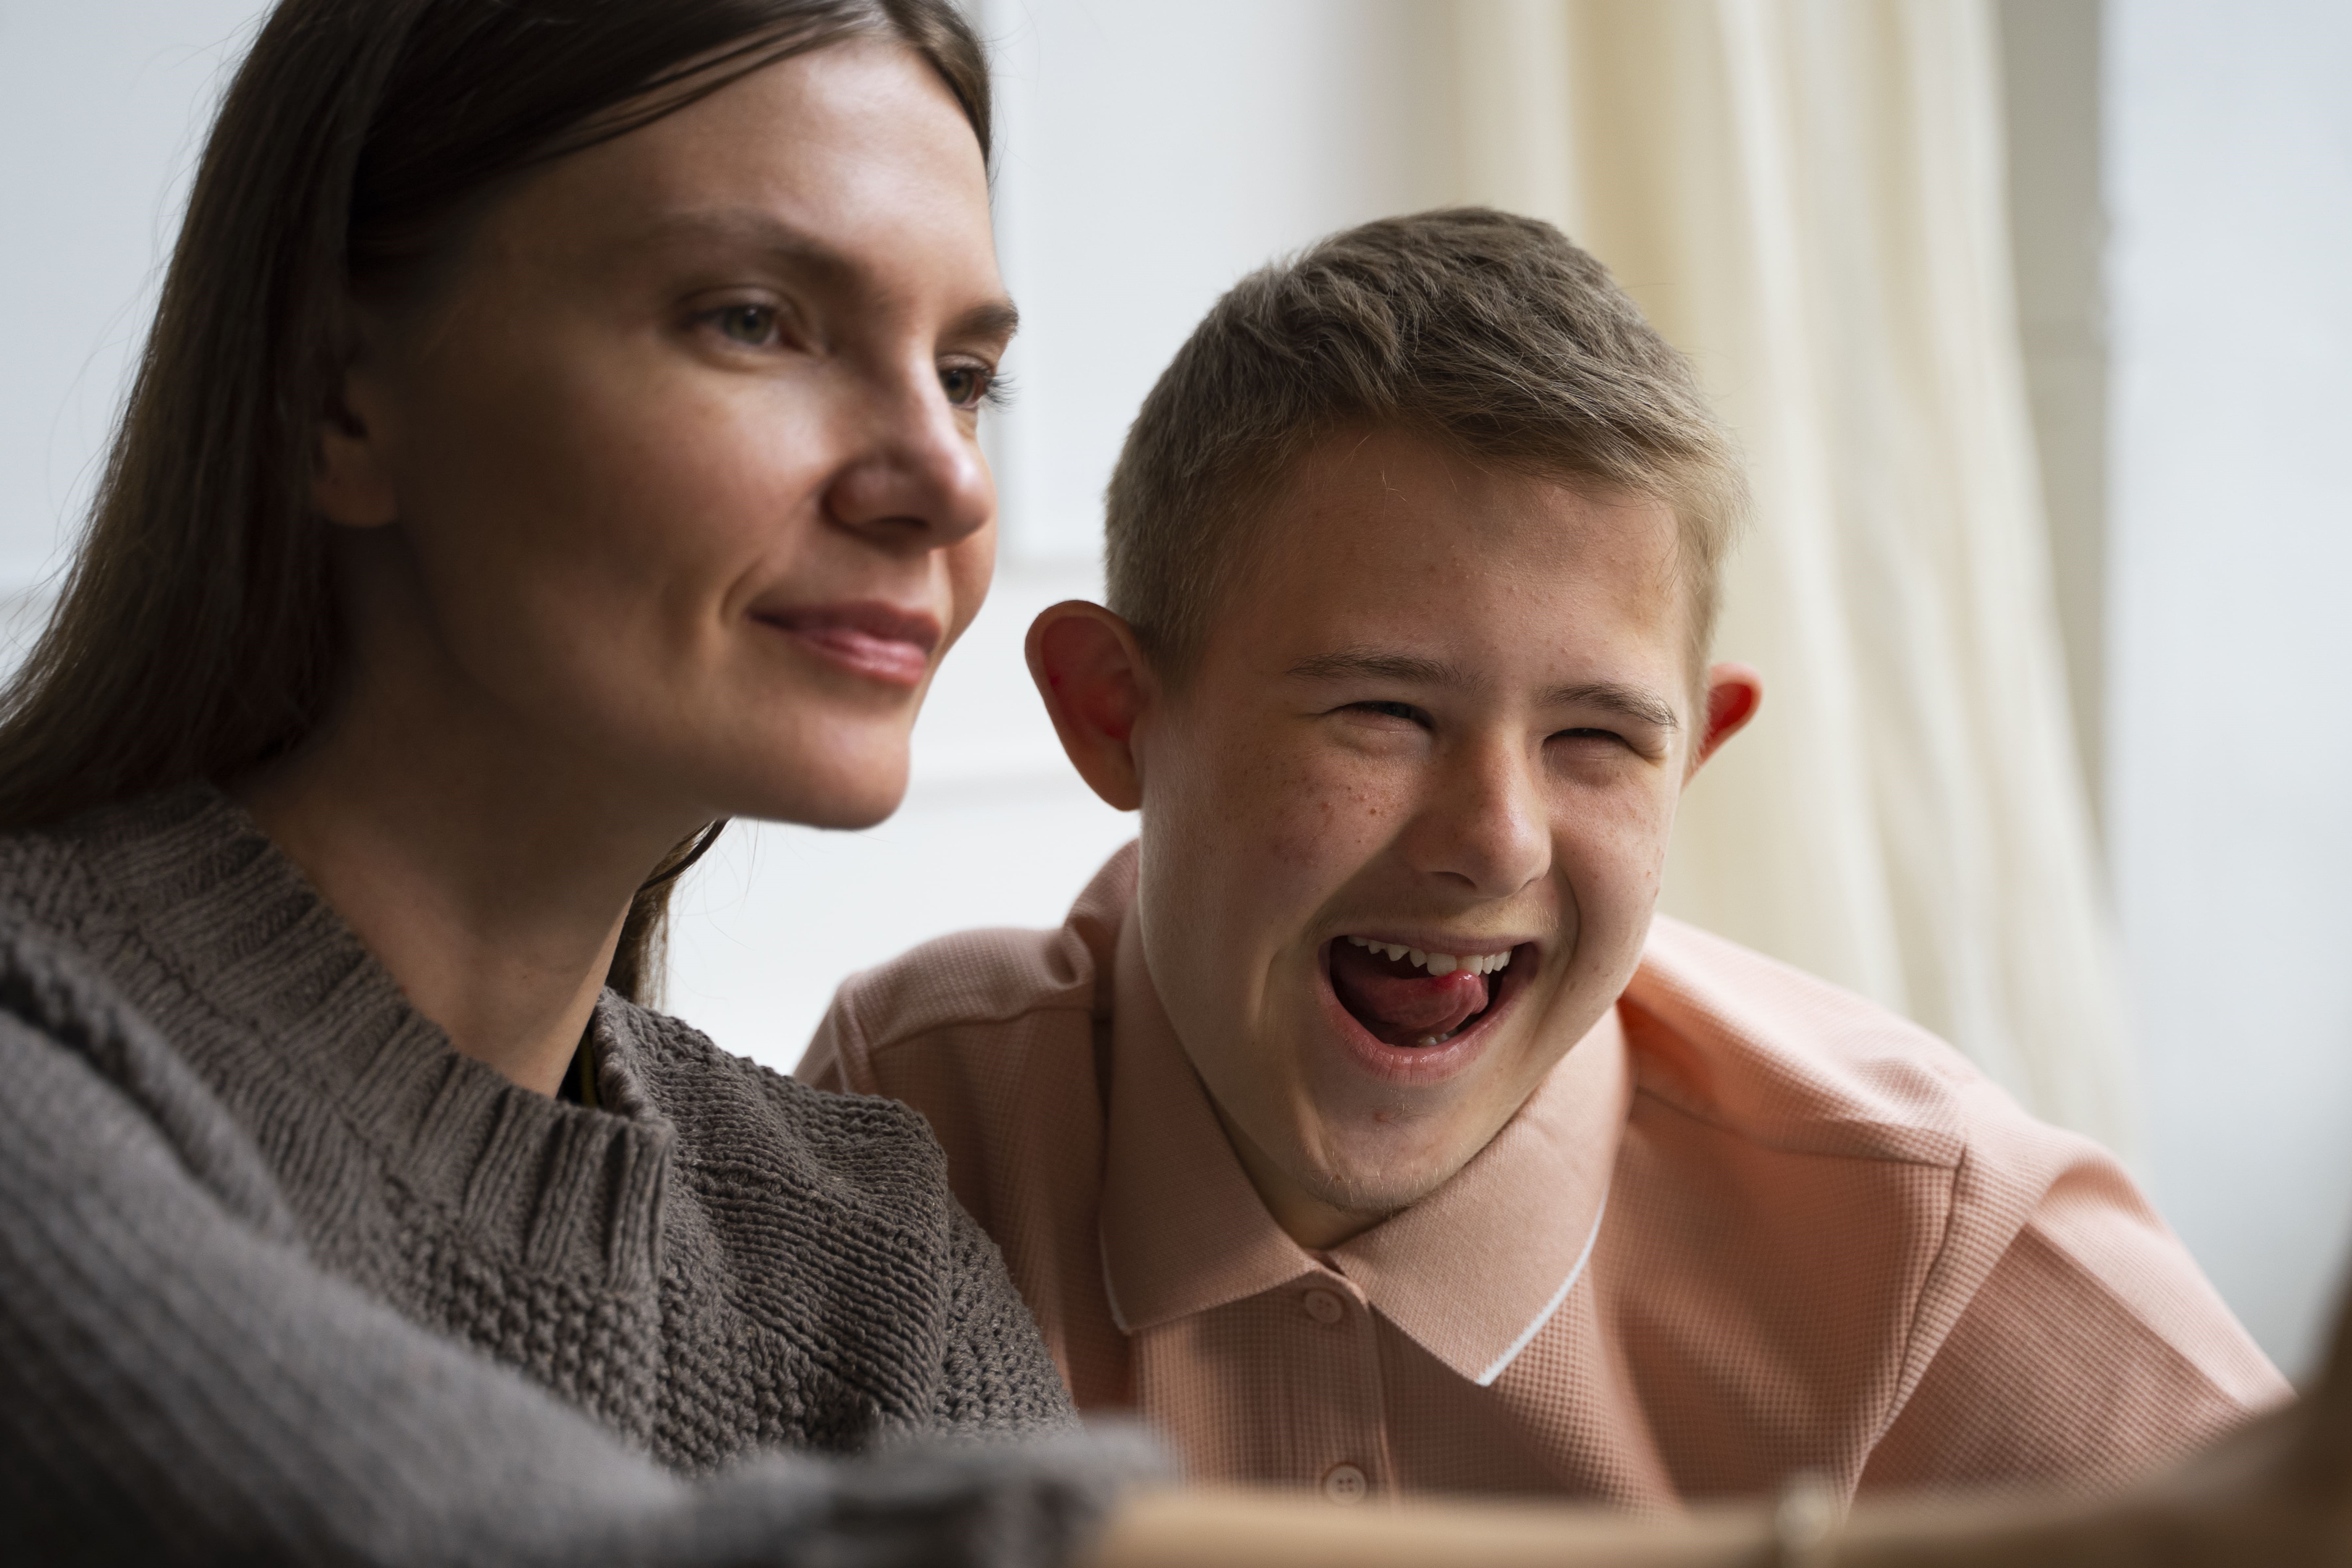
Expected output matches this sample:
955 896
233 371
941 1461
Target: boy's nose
1486 829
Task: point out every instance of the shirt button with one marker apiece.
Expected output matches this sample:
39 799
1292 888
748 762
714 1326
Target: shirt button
1344 1484
1323 1306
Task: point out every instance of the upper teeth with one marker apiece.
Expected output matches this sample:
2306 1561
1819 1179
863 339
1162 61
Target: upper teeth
1438 963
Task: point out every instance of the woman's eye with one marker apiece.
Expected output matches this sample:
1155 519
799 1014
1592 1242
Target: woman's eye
967 386
1404 710
751 326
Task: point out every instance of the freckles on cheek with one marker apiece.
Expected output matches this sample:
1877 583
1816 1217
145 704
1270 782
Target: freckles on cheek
1633 840
1323 821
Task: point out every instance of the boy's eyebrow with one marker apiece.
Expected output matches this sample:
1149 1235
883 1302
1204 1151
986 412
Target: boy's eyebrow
1359 663
1629 700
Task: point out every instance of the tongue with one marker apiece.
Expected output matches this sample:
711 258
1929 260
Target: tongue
1403 1006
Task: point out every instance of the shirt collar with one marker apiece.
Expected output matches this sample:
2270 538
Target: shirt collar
1182 1229
1471 1272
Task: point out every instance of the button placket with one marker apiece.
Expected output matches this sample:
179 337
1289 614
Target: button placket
1329 1302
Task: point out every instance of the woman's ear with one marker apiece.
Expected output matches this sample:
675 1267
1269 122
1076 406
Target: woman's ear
352 485
1734 693
1091 673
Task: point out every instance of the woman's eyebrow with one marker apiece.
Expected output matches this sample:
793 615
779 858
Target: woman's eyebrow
993 322
750 229
746 229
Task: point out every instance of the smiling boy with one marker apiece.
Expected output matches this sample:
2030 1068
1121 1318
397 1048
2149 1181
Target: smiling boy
1362 1127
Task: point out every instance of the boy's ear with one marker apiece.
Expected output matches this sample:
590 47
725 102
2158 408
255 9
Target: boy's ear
1091 673
1734 693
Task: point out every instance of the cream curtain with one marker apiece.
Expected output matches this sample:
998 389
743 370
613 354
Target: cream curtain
1807 195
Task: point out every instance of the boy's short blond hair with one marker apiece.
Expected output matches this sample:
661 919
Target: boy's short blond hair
1489 333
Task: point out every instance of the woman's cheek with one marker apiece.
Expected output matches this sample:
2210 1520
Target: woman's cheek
971 566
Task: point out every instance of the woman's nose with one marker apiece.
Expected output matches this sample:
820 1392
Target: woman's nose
1486 829
914 479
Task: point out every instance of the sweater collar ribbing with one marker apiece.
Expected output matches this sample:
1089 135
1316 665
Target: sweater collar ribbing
271 996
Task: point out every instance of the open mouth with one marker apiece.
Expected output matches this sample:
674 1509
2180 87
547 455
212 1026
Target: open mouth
1413 998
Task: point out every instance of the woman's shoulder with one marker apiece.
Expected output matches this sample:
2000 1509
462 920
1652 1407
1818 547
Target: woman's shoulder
45 879
112 860
793 1204
73 892
722 1100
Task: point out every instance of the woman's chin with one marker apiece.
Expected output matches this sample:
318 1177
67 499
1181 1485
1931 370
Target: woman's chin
836 794
850 817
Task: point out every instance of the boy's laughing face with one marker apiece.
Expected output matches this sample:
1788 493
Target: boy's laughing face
1403 822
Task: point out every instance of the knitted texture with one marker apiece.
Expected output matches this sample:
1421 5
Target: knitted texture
180 1384
719 1261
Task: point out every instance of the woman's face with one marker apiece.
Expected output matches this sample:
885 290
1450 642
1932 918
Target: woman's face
675 481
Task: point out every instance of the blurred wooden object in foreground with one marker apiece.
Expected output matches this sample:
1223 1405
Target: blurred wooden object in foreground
2277 1494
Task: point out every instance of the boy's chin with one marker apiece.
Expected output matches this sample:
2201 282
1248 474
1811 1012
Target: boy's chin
1374 1185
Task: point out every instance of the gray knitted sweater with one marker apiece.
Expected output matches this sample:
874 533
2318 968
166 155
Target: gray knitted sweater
272 1256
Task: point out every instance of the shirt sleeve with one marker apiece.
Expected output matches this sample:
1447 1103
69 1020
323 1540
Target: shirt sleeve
827 1063
2094 1350
180 1383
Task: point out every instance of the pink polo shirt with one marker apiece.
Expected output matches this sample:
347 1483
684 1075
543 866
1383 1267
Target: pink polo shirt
1751 1225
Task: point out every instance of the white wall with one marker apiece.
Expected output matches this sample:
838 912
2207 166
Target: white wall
2230 775
101 108
1149 156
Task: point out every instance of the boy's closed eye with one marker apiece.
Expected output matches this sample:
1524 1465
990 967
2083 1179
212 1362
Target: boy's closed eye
1383 713
1591 736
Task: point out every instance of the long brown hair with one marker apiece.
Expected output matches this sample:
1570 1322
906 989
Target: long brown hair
195 635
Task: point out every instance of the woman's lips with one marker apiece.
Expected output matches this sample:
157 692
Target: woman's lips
880 642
